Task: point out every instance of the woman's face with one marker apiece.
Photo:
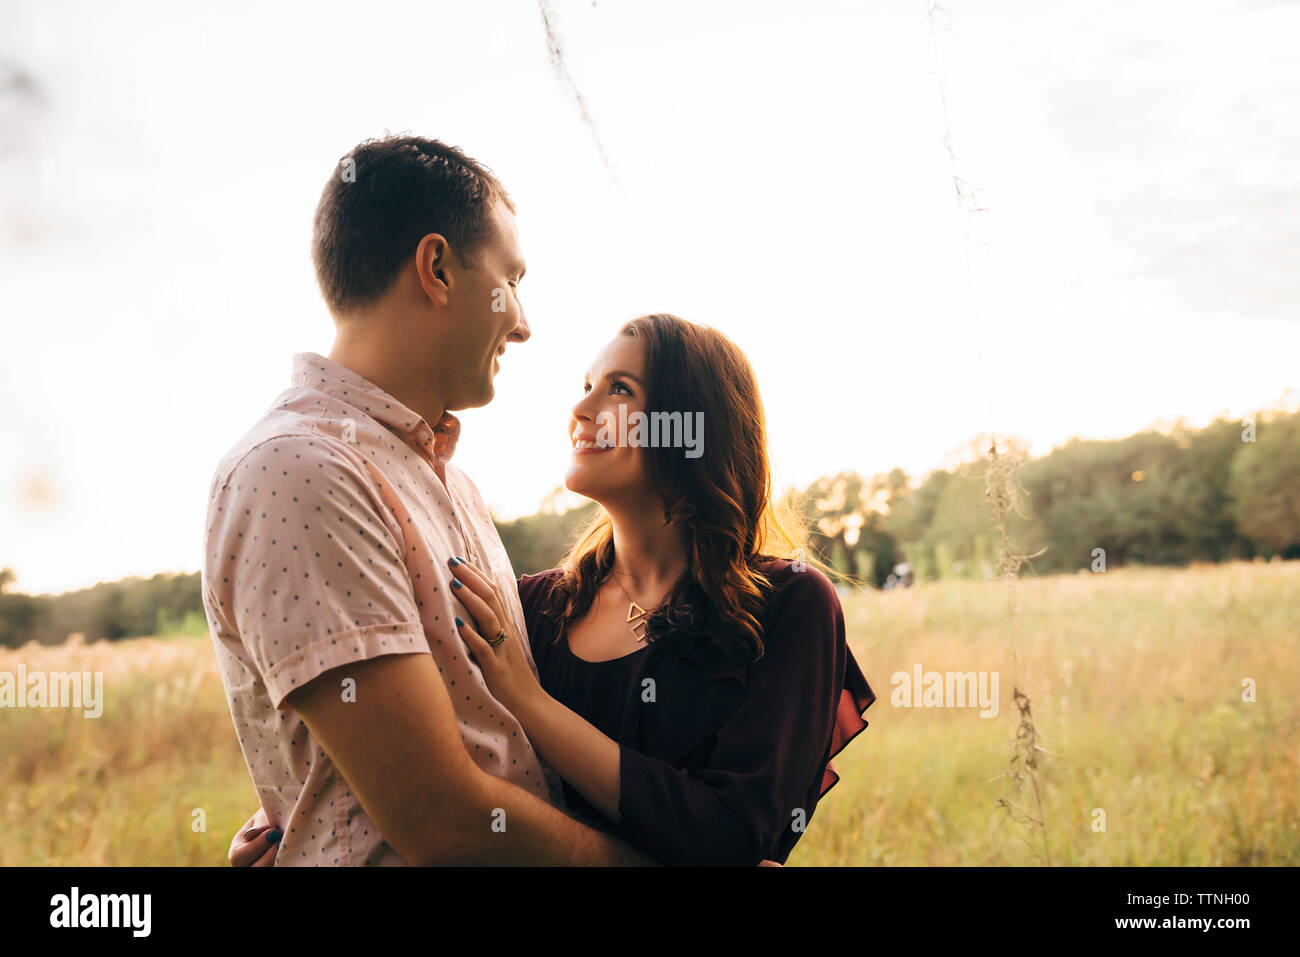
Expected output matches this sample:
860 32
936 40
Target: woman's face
614 388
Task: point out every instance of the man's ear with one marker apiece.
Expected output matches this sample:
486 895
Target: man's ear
433 257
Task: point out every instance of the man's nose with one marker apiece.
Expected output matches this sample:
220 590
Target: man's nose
521 332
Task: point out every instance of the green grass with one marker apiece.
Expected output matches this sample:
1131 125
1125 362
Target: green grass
1135 677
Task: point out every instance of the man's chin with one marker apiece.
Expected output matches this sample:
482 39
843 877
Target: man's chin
476 401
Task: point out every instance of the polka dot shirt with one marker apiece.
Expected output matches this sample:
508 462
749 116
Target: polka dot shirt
328 530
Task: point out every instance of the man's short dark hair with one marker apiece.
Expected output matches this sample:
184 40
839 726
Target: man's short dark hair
386 195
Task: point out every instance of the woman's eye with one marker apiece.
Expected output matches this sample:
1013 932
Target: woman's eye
616 384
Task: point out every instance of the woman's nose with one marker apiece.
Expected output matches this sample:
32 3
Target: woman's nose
584 410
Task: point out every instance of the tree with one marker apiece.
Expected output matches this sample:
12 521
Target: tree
1264 486
20 615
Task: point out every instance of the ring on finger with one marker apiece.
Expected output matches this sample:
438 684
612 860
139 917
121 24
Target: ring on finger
501 636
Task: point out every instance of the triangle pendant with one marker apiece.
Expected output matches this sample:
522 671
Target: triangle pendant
634 611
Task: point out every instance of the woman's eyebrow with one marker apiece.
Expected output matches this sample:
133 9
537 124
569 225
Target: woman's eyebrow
625 374
586 376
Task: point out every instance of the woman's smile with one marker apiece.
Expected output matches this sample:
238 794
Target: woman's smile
586 445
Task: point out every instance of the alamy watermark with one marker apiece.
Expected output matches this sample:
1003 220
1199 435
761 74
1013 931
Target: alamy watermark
130 911
946 689
654 430
53 689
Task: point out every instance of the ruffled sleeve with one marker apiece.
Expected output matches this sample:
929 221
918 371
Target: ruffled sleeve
855 698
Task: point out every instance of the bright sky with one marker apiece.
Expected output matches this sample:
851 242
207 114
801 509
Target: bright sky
780 173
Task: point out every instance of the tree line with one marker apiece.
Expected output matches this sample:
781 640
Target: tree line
1229 490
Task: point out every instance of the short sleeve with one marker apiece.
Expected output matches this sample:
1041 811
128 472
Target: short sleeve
303 562
737 808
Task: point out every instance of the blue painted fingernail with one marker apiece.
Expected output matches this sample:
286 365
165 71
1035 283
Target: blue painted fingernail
455 583
454 561
459 559
274 835
459 623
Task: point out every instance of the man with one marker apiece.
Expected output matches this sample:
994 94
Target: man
369 734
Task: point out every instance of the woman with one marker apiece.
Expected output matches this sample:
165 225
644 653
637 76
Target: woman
692 687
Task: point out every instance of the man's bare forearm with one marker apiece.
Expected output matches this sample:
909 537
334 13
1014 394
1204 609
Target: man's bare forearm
402 754
508 825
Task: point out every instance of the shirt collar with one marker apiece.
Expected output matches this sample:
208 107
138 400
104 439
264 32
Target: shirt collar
314 371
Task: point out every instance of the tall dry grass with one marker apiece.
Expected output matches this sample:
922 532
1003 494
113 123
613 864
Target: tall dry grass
1135 676
122 788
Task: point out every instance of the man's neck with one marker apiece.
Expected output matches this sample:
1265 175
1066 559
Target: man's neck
371 351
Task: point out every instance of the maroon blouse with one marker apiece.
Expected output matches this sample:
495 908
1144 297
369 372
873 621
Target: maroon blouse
719 764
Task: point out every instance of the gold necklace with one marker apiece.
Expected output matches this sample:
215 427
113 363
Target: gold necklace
636 615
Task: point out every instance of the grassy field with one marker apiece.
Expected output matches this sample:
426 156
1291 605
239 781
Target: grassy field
1135 678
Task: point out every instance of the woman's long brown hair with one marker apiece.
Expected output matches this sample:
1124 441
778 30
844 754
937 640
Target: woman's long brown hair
723 498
